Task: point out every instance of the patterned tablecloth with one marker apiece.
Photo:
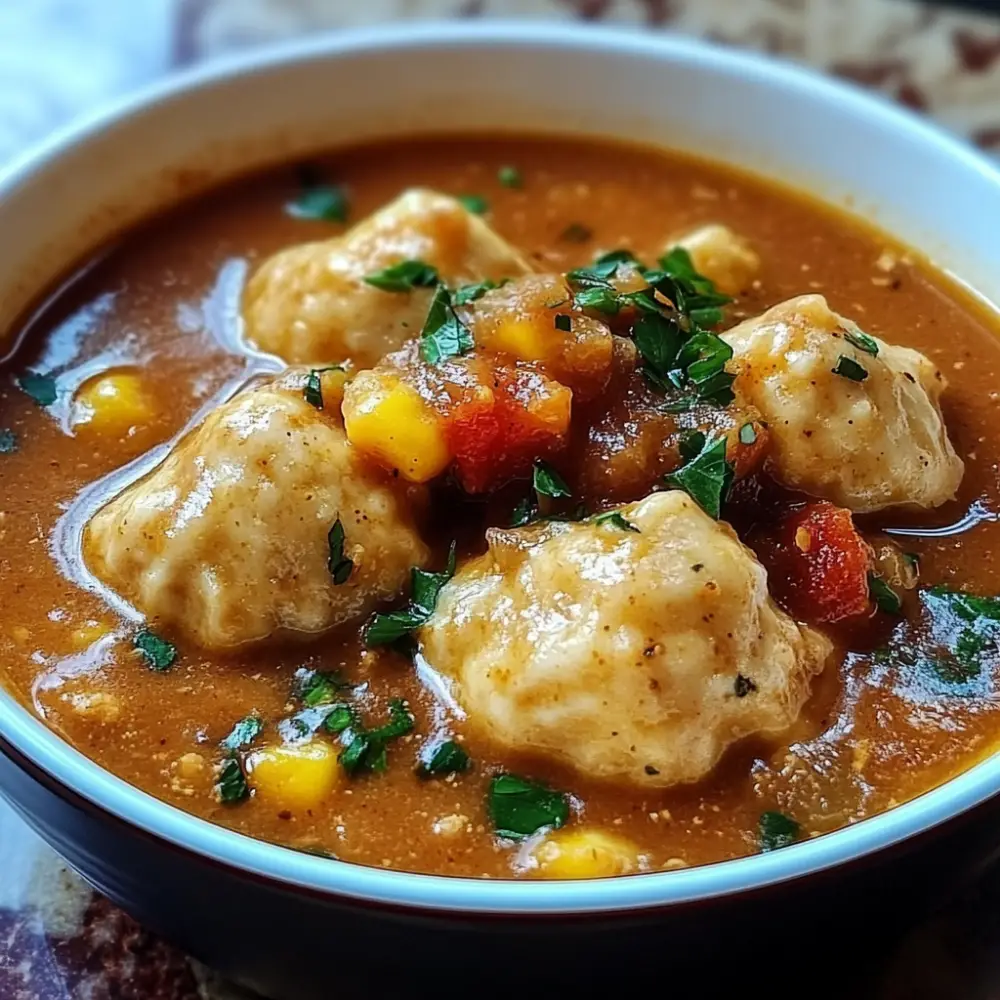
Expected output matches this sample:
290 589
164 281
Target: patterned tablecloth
58 58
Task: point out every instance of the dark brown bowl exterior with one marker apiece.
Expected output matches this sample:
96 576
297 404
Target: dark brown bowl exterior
290 943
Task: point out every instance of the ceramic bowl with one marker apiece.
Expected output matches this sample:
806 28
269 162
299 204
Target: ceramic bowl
291 924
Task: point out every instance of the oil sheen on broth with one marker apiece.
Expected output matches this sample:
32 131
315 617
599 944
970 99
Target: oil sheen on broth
606 687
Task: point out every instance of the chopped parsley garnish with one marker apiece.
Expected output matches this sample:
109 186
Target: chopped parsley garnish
776 830
341 717
748 434
703 359
312 392
243 733
442 758
576 232
670 331
525 511
952 651
885 598
563 322
474 203
231 786
317 687
470 293
519 808
404 277
849 368
658 341
547 482
616 520
691 444
158 653
320 202
510 177
8 442
367 749
444 335
862 342
41 388
706 477
602 300
339 565
743 686
388 627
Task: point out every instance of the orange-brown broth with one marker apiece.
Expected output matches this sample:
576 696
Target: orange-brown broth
858 748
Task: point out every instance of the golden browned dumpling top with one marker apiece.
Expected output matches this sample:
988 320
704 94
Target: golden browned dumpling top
310 304
851 418
634 654
229 540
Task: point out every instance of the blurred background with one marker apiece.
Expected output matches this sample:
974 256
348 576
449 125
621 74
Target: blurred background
59 58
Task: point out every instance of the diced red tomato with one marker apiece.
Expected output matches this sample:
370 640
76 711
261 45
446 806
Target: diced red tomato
495 435
818 563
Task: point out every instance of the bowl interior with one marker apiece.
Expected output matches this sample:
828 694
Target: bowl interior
87 184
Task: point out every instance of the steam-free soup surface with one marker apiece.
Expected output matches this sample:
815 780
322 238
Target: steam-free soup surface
906 698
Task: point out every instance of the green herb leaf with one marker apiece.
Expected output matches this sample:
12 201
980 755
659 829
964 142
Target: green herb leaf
849 368
547 482
341 717
339 565
243 733
317 687
322 203
576 232
602 300
519 807
474 203
885 598
510 177
444 335
312 392
748 434
442 758
525 511
8 442
231 786
389 627
404 277
704 356
470 293
658 340
158 653
41 388
743 686
367 748
616 520
776 830
563 322
691 444
706 477
862 342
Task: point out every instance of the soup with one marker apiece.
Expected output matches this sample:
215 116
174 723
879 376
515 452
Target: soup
508 508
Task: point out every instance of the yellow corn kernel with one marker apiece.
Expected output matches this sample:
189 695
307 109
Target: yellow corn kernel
388 421
584 854
88 633
332 382
526 338
297 777
113 403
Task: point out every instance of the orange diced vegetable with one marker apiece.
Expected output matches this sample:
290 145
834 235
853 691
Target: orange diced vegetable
818 563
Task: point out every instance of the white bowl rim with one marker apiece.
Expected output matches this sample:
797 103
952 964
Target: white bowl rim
449 894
